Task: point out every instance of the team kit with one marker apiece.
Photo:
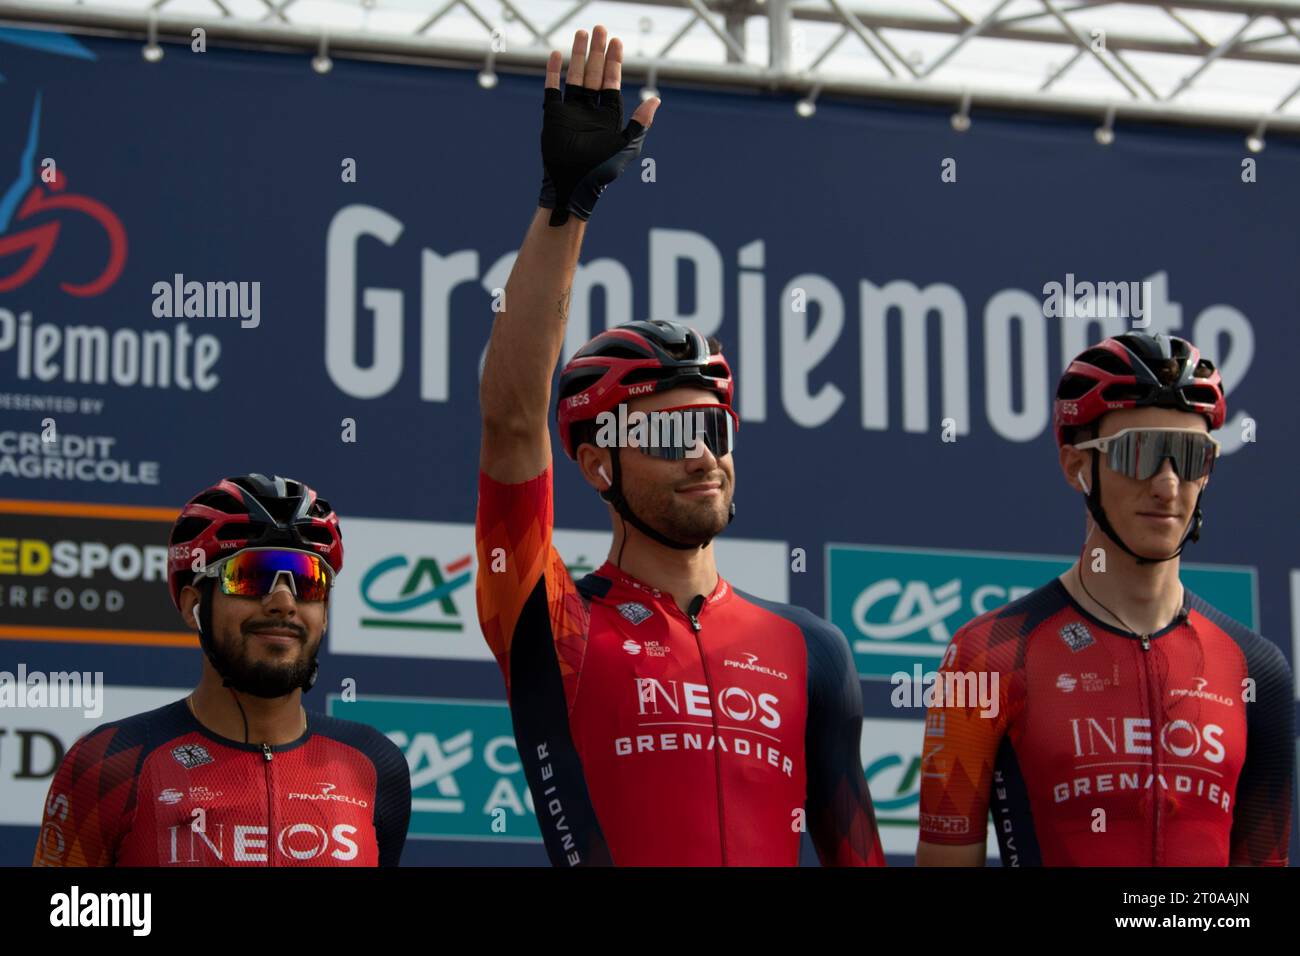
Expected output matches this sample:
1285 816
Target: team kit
662 716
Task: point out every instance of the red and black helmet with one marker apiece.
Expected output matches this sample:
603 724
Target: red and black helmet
251 511
1136 370
639 358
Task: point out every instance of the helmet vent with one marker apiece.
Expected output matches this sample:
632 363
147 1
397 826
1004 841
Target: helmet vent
240 531
1124 393
1106 361
187 529
1201 394
581 382
281 509
622 352
647 375
315 534
223 502
1167 370
1074 387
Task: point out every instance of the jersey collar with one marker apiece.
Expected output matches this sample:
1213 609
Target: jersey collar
193 723
611 572
1181 618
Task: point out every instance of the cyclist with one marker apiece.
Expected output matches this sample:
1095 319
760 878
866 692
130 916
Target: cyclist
1136 724
235 774
662 716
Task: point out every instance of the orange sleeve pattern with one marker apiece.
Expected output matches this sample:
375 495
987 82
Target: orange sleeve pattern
515 556
961 742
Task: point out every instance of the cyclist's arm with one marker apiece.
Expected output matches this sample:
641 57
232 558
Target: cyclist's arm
525 344
958 752
1261 819
841 821
87 808
514 518
528 334
392 802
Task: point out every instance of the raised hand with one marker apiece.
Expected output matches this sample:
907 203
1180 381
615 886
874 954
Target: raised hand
584 143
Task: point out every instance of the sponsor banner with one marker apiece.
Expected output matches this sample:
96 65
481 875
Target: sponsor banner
891 759
899 607
82 572
466 779
409 590
33 742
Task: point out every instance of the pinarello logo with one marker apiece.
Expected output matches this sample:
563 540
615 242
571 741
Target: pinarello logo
30 196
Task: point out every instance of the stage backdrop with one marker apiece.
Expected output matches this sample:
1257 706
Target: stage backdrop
882 285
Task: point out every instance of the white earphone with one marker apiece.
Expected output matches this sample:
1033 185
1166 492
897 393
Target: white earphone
1079 474
195 613
600 470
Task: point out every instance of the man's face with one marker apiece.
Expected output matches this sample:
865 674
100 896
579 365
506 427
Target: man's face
267 644
1150 516
687 500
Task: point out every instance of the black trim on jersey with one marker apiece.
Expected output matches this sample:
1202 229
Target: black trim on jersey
1036 606
594 586
1009 805
392 814
540 715
191 723
1261 813
1178 619
146 731
832 734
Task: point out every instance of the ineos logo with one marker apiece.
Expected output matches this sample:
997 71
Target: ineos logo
734 703
1132 735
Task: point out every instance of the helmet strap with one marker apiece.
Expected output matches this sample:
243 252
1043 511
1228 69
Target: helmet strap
614 495
1098 513
207 589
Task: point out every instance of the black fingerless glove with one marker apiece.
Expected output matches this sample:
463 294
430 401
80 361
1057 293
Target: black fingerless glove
583 148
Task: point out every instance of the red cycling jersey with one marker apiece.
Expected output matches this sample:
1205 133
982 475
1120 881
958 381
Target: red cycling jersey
650 736
159 789
1113 749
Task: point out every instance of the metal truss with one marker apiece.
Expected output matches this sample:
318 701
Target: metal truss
1223 63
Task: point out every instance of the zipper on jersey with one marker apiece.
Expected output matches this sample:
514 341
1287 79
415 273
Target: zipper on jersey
270 806
693 615
1156 796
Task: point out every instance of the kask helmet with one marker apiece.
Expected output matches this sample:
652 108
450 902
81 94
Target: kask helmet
251 511
1136 370
639 358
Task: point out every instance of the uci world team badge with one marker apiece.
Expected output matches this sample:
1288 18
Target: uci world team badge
190 756
634 612
1077 636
